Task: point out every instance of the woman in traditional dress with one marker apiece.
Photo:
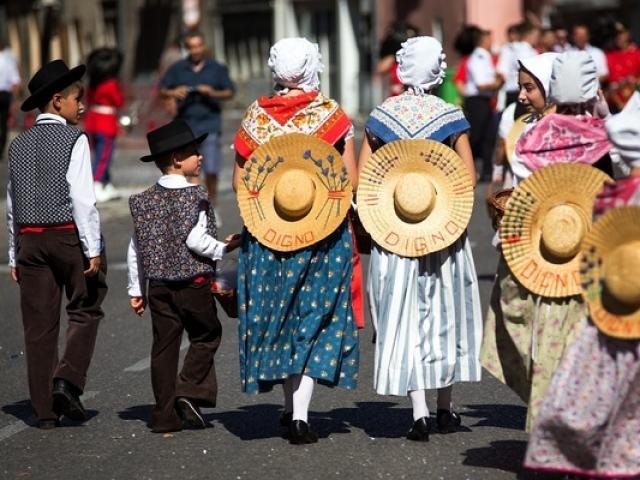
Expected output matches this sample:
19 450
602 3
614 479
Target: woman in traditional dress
296 322
589 422
426 310
533 103
526 335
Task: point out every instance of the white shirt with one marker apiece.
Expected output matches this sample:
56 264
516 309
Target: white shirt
81 195
9 75
198 241
508 65
507 120
480 71
602 69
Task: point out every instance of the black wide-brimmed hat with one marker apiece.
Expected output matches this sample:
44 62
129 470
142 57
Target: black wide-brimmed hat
54 77
170 137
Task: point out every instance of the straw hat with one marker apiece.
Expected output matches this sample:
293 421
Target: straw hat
517 129
415 197
544 224
609 272
294 191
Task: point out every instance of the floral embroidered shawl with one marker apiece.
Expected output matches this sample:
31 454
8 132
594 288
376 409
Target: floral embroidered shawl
309 113
410 116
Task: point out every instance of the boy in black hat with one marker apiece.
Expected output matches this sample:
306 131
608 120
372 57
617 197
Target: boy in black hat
174 249
55 243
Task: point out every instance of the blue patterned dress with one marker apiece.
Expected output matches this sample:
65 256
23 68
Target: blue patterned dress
295 313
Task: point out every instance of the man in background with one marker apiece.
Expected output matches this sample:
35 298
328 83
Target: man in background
580 38
198 84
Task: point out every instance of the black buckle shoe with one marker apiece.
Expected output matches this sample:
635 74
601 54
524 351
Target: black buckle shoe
190 413
447 420
420 430
300 434
66 401
286 418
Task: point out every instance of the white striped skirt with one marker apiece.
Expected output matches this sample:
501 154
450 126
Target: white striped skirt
427 315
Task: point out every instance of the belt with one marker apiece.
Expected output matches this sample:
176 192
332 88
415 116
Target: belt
104 109
47 228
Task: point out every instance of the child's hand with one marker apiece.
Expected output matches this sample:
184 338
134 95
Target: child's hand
233 241
138 305
94 266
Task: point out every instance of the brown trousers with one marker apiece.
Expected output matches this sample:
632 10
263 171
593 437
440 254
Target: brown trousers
178 306
48 263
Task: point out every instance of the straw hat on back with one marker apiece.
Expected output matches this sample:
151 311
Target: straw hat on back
293 192
609 272
415 197
544 224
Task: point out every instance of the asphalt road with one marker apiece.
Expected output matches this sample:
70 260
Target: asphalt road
362 434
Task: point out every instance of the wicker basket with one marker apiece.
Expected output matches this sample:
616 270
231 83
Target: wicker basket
496 204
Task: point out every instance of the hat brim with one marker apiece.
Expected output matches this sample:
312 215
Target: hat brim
450 215
616 227
319 162
517 129
521 228
44 93
152 157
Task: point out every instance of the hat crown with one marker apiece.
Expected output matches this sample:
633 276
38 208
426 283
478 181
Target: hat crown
294 195
48 73
563 229
621 269
170 137
414 197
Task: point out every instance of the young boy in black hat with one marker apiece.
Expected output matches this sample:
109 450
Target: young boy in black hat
174 249
55 243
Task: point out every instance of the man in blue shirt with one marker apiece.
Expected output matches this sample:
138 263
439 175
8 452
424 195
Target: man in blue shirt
198 84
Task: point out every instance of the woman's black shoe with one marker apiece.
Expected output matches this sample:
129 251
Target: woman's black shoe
299 433
286 418
447 420
420 430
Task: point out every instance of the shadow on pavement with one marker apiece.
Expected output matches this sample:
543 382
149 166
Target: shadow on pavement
376 419
141 413
508 456
505 455
500 416
22 411
252 422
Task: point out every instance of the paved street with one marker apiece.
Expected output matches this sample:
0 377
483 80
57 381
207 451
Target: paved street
362 434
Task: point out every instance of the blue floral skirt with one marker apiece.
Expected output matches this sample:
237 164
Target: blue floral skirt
295 314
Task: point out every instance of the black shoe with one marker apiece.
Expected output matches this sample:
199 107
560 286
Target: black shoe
190 413
48 424
300 434
66 401
447 420
286 418
420 430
